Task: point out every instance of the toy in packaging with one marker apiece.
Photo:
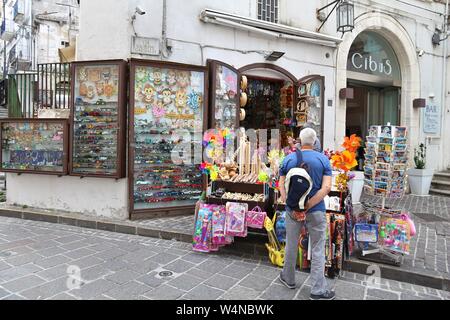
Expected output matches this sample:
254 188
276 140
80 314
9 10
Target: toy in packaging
395 235
235 222
218 225
280 225
256 218
367 233
202 231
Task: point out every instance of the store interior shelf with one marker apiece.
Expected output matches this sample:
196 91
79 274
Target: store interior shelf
240 187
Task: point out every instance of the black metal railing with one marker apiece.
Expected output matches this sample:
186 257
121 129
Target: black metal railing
31 91
53 89
21 95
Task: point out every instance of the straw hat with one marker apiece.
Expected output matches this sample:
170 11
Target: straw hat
242 114
243 99
244 83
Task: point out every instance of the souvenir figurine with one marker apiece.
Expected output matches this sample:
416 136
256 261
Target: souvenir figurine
180 100
193 100
171 78
157 77
99 86
82 75
196 80
183 79
90 92
148 93
141 74
166 95
83 90
109 90
106 74
158 110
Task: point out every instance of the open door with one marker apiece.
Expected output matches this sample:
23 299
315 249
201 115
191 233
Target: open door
224 95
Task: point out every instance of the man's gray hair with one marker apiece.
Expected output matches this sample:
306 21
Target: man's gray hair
308 136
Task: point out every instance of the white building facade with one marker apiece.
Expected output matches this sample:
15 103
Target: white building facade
34 31
389 60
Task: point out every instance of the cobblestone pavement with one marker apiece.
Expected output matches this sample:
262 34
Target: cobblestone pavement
430 248
39 260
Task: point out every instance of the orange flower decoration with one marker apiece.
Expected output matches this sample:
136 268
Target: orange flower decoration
352 144
344 161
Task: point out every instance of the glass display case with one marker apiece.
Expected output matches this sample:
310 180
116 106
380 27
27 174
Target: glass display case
167 120
98 117
224 95
34 146
310 104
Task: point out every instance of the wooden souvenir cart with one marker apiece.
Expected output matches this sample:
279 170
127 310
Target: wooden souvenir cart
98 119
34 146
165 98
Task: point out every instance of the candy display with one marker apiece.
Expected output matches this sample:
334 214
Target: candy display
97 116
34 146
226 100
386 158
167 118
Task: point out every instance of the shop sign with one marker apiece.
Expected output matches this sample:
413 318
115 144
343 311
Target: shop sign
371 54
366 64
145 46
432 119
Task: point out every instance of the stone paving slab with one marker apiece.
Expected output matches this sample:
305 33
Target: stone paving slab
257 280
429 259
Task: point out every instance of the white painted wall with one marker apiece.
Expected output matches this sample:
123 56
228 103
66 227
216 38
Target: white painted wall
106 31
90 196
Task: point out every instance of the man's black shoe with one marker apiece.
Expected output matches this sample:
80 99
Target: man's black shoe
290 286
328 295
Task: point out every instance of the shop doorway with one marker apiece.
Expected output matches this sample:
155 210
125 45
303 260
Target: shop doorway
371 105
270 100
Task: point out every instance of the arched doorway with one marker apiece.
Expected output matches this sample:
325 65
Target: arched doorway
405 88
271 95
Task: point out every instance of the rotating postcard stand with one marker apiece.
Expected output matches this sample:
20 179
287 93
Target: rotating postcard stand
381 232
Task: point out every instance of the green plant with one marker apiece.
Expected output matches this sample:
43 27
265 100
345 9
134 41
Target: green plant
420 156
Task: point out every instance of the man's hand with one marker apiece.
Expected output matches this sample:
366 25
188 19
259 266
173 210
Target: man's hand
282 189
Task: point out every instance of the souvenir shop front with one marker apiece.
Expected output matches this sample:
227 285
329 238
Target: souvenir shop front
170 106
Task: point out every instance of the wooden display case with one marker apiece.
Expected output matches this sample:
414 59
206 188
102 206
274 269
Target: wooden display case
98 119
224 95
165 97
34 146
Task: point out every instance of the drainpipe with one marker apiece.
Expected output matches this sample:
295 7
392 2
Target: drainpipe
444 81
164 52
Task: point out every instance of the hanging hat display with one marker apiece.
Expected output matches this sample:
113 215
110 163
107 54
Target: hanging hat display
244 83
242 114
243 99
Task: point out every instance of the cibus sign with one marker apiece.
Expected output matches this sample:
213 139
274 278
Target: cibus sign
371 65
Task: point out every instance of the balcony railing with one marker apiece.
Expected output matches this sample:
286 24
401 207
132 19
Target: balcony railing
46 88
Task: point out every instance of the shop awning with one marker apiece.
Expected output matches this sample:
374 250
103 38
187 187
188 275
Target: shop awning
268 28
67 54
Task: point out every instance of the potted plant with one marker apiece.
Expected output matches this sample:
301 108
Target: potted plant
419 178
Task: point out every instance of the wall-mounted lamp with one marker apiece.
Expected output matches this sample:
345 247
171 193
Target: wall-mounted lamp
436 39
345 15
274 55
419 103
347 93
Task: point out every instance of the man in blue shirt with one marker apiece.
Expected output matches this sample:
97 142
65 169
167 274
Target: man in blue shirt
319 169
